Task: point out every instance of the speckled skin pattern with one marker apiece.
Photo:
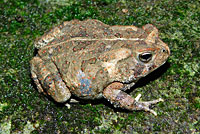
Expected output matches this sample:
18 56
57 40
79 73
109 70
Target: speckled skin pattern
90 60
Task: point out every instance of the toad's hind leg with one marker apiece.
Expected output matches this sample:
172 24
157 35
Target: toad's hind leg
49 80
121 99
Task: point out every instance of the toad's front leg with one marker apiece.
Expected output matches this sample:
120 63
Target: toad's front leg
121 99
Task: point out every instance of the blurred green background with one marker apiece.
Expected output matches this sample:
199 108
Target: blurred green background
24 110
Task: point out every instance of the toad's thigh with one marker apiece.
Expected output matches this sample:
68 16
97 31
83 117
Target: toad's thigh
48 77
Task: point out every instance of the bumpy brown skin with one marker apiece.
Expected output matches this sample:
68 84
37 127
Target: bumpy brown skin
92 60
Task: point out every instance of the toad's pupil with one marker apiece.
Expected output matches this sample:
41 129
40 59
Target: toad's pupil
145 57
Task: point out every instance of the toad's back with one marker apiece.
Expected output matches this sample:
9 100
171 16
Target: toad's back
92 29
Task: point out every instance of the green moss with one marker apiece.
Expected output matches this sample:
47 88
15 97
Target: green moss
5 126
178 23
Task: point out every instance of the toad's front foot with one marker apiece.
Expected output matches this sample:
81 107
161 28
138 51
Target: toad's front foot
140 105
124 100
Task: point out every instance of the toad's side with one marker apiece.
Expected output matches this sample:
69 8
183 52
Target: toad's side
92 60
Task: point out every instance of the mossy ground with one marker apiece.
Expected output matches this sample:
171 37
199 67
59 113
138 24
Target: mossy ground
178 82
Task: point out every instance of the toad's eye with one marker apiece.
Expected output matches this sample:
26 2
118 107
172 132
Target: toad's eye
145 57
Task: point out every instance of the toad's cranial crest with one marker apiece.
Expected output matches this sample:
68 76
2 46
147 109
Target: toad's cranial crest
90 60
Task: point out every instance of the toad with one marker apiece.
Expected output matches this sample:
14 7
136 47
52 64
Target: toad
91 60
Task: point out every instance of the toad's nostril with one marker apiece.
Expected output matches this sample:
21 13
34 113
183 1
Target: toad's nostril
163 50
